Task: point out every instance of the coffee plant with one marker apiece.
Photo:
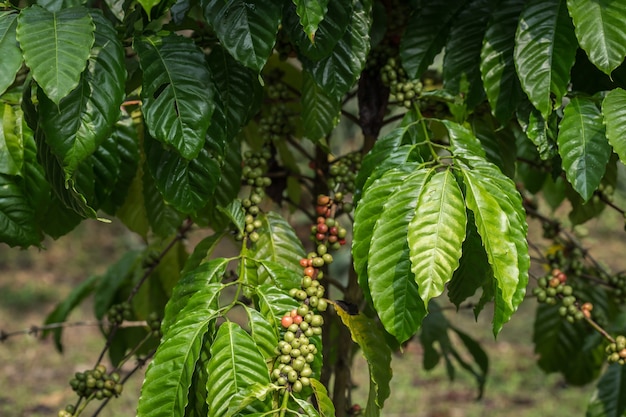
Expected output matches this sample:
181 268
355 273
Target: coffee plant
363 187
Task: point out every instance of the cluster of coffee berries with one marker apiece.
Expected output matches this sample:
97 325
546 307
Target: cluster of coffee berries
343 172
567 258
276 123
618 283
119 312
402 90
616 351
96 383
552 289
67 412
154 323
253 173
278 91
327 233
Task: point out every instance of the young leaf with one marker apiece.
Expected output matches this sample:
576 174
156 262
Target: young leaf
395 293
497 65
311 13
77 125
436 234
246 28
9 50
426 34
614 112
368 211
583 146
609 397
235 365
545 50
368 335
168 378
599 29
56 47
176 92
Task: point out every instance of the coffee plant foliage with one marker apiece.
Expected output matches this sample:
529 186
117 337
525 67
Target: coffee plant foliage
240 118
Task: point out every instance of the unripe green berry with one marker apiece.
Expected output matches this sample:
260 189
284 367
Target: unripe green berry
292 376
297 386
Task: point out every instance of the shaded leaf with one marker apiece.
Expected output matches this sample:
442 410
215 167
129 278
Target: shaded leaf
9 50
609 397
11 141
320 112
17 218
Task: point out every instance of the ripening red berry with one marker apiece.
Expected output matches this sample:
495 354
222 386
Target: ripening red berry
286 321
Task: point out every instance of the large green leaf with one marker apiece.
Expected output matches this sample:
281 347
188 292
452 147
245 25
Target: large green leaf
185 184
176 92
11 141
82 120
274 303
497 65
328 33
9 50
56 47
337 72
168 378
614 112
368 211
239 90
436 234
426 34
246 28
609 397
311 13
545 50
583 146
320 112
395 293
163 218
600 31
368 335
264 333
235 364
462 58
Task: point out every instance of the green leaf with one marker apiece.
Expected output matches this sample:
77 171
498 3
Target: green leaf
609 397
274 303
329 31
368 211
278 242
337 72
162 217
9 50
246 398
426 34
239 90
497 64
264 334
202 251
461 62
246 28
368 335
193 282
176 92
583 146
436 234
185 184
599 29
118 275
168 378
311 13
83 119
537 130
56 47
614 113
324 404
235 365
147 5
320 112
17 218
65 307
284 278
480 358
11 141
545 50
395 293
